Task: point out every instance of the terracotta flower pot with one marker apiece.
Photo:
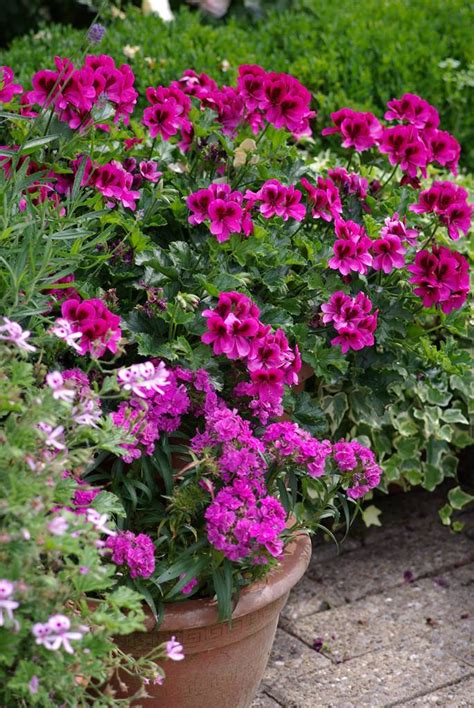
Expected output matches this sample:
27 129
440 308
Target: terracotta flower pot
224 664
305 373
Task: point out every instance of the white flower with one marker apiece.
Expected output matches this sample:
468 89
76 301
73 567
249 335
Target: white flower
12 332
63 329
58 526
60 393
141 378
99 521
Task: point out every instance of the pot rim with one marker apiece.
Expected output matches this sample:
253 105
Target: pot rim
203 612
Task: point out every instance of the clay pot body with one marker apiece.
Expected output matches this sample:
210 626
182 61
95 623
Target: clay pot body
224 663
304 374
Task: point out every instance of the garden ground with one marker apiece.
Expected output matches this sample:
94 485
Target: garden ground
395 617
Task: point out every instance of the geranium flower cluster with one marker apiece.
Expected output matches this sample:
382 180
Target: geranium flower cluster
288 442
358 467
412 145
351 249
8 89
324 199
57 633
259 96
235 330
88 326
349 182
136 552
8 604
449 203
353 320
229 211
80 97
441 278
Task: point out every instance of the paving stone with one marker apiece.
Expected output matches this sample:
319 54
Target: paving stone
290 656
433 607
381 565
458 695
264 701
382 678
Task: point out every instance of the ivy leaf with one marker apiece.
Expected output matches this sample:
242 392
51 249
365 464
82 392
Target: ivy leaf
370 516
458 498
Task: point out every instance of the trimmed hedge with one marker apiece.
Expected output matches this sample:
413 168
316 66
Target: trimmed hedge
357 54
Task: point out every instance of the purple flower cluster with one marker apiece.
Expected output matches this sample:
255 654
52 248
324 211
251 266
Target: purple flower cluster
358 467
441 278
288 440
157 403
137 552
243 524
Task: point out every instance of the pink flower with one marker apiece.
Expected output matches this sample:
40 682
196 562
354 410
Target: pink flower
349 182
174 650
351 318
14 333
324 199
351 251
286 104
394 226
443 147
115 183
198 203
226 218
278 200
149 171
137 552
358 130
412 109
8 604
142 378
267 384
168 112
98 326
56 633
251 86
405 148
441 277
388 253
449 202
7 88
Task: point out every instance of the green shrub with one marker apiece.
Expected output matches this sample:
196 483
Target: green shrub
357 54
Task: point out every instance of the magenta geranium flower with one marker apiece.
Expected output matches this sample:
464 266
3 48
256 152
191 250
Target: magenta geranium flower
441 278
360 131
98 326
405 148
7 88
412 109
226 218
388 253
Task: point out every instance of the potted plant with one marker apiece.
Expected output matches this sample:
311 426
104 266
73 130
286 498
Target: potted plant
177 265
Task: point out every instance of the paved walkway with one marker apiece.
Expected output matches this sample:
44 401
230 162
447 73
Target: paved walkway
388 622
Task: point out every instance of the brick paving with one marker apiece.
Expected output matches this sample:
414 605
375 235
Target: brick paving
394 611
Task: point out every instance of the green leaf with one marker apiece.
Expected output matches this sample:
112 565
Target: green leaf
370 516
458 498
454 415
31 145
335 407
